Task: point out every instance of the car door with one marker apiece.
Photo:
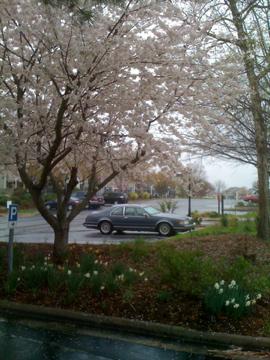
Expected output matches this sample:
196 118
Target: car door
117 217
134 218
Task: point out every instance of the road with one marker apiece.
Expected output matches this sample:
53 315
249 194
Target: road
35 229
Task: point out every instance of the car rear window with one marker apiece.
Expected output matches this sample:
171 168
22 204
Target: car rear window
117 211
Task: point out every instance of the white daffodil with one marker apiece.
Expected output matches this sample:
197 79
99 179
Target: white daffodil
216 286
87 275
222 282
102 288
248 303
69 272
259 296
227 303
233 300
253 301
236 306
23 268
220 291
95 272
146 279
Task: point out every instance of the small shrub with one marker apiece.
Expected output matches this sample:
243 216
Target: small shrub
240 204
168 206
239 270
3 200
230 299
133 195
233 221
211 214
197 218
145 195
186 272
224 221
22 198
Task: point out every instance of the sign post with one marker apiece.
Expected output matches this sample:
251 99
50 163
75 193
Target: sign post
12 219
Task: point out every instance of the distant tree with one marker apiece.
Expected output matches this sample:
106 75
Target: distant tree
233 119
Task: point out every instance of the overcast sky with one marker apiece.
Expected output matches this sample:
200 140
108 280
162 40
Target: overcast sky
233 174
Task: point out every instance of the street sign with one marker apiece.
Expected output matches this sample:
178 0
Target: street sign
12 213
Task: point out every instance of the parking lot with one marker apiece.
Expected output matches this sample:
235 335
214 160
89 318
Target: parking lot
35 229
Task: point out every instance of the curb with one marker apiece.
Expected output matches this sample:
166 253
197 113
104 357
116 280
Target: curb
137 327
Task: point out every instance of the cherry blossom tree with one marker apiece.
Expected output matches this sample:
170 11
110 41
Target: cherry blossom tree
84 101
234 119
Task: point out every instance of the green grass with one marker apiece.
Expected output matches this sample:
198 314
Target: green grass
241 227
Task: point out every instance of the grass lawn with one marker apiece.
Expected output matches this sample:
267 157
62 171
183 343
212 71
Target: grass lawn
185 280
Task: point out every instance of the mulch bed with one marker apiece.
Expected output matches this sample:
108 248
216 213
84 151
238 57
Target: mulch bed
143 303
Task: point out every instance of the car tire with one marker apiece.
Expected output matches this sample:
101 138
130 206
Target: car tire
164 229
105 227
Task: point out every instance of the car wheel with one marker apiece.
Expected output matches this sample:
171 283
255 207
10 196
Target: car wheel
164 229
105 227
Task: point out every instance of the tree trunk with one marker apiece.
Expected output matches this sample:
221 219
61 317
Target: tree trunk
60 248
244 42
263 229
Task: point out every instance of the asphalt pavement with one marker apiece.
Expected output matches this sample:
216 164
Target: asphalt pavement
34 229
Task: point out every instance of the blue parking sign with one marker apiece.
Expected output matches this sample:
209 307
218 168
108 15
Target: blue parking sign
12 213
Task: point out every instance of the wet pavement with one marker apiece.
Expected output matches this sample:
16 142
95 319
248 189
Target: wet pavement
33 340
35 229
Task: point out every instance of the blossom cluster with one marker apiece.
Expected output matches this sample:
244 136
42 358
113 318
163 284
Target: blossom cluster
231 294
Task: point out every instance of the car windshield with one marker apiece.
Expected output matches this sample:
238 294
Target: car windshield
151 211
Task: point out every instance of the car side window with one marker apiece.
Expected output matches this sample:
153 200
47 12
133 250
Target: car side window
117 211
130 211
140 212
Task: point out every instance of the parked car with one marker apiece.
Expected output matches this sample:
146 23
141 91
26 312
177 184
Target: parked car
250 198
115 197
94 203
137 218
52 204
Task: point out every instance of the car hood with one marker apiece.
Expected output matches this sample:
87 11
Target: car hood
172 216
